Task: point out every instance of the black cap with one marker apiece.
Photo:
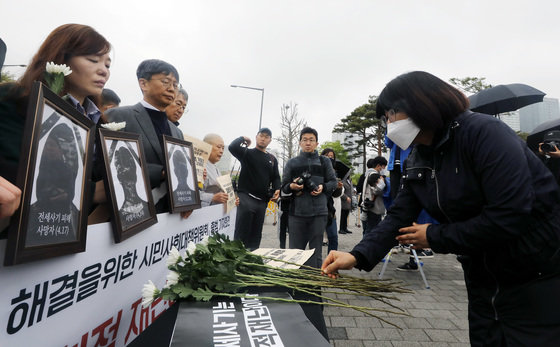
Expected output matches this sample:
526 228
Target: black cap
265 131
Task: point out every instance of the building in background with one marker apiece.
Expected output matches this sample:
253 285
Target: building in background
512 120
357 162
535 114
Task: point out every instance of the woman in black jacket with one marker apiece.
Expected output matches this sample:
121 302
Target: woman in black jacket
498 205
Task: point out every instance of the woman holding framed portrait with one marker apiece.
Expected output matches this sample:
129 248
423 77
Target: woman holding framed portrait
86 52
61 144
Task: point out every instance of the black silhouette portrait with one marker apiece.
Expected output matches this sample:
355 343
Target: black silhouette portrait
54 218
183 194
133 210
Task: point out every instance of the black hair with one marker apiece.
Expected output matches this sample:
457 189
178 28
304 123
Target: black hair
369 163
151 67
373 178
108 96
428 101
378 161
308 130
327 151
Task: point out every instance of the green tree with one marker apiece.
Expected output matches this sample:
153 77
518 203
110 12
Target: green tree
6 77
339 150
355 179
523 135
470 85
366 130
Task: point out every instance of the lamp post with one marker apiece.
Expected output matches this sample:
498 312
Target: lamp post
262 99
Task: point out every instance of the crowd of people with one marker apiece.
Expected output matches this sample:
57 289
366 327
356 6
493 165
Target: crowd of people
455 182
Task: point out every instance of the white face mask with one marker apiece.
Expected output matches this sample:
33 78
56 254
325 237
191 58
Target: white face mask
402 132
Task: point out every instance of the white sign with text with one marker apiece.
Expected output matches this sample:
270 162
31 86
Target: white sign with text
94 298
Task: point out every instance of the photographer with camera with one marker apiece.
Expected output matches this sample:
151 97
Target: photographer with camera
259 182
309 179
372 206
549 150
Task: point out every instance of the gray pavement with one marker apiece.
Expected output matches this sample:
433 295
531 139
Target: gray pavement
438 316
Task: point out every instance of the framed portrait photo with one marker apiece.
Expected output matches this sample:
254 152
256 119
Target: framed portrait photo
181 174
126 183
54 176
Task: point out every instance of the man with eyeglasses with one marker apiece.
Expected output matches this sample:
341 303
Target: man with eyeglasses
176 109
259 182
309 179
159 83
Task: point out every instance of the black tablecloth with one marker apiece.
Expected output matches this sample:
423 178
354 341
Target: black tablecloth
268 323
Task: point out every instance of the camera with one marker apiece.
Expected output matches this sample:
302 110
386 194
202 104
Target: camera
550 146
305 180
551 141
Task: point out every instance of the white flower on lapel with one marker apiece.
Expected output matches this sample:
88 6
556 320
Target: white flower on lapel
114 126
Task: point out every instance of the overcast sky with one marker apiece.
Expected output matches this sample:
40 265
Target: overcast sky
326 56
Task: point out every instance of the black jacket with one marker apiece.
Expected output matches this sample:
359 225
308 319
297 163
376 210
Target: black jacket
498 205
259 170
322 172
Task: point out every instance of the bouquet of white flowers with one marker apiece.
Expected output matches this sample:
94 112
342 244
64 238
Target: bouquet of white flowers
220 267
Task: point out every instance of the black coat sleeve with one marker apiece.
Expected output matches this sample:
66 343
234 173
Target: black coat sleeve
236 149
375 244
502 169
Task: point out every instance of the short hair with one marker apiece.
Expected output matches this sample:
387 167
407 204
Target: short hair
308 130
378 161
151 67
369 163
212 138
373 178
327 151
108 96
184 92
428 101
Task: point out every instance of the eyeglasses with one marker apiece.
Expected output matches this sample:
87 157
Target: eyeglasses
168 83
181 106
389 116
307 140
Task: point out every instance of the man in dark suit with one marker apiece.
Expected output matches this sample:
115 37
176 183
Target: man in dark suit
159 82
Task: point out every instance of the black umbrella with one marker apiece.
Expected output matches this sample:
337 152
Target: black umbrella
504 98
536 136
341 169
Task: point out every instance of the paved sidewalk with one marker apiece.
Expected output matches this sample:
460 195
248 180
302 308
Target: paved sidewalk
438 316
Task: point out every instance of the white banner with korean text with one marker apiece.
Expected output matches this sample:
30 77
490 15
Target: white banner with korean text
94 298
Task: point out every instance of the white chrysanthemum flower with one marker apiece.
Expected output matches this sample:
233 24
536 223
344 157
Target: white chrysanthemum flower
205 240
191 246
174 256
149 291
55 68
172 279
114 126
